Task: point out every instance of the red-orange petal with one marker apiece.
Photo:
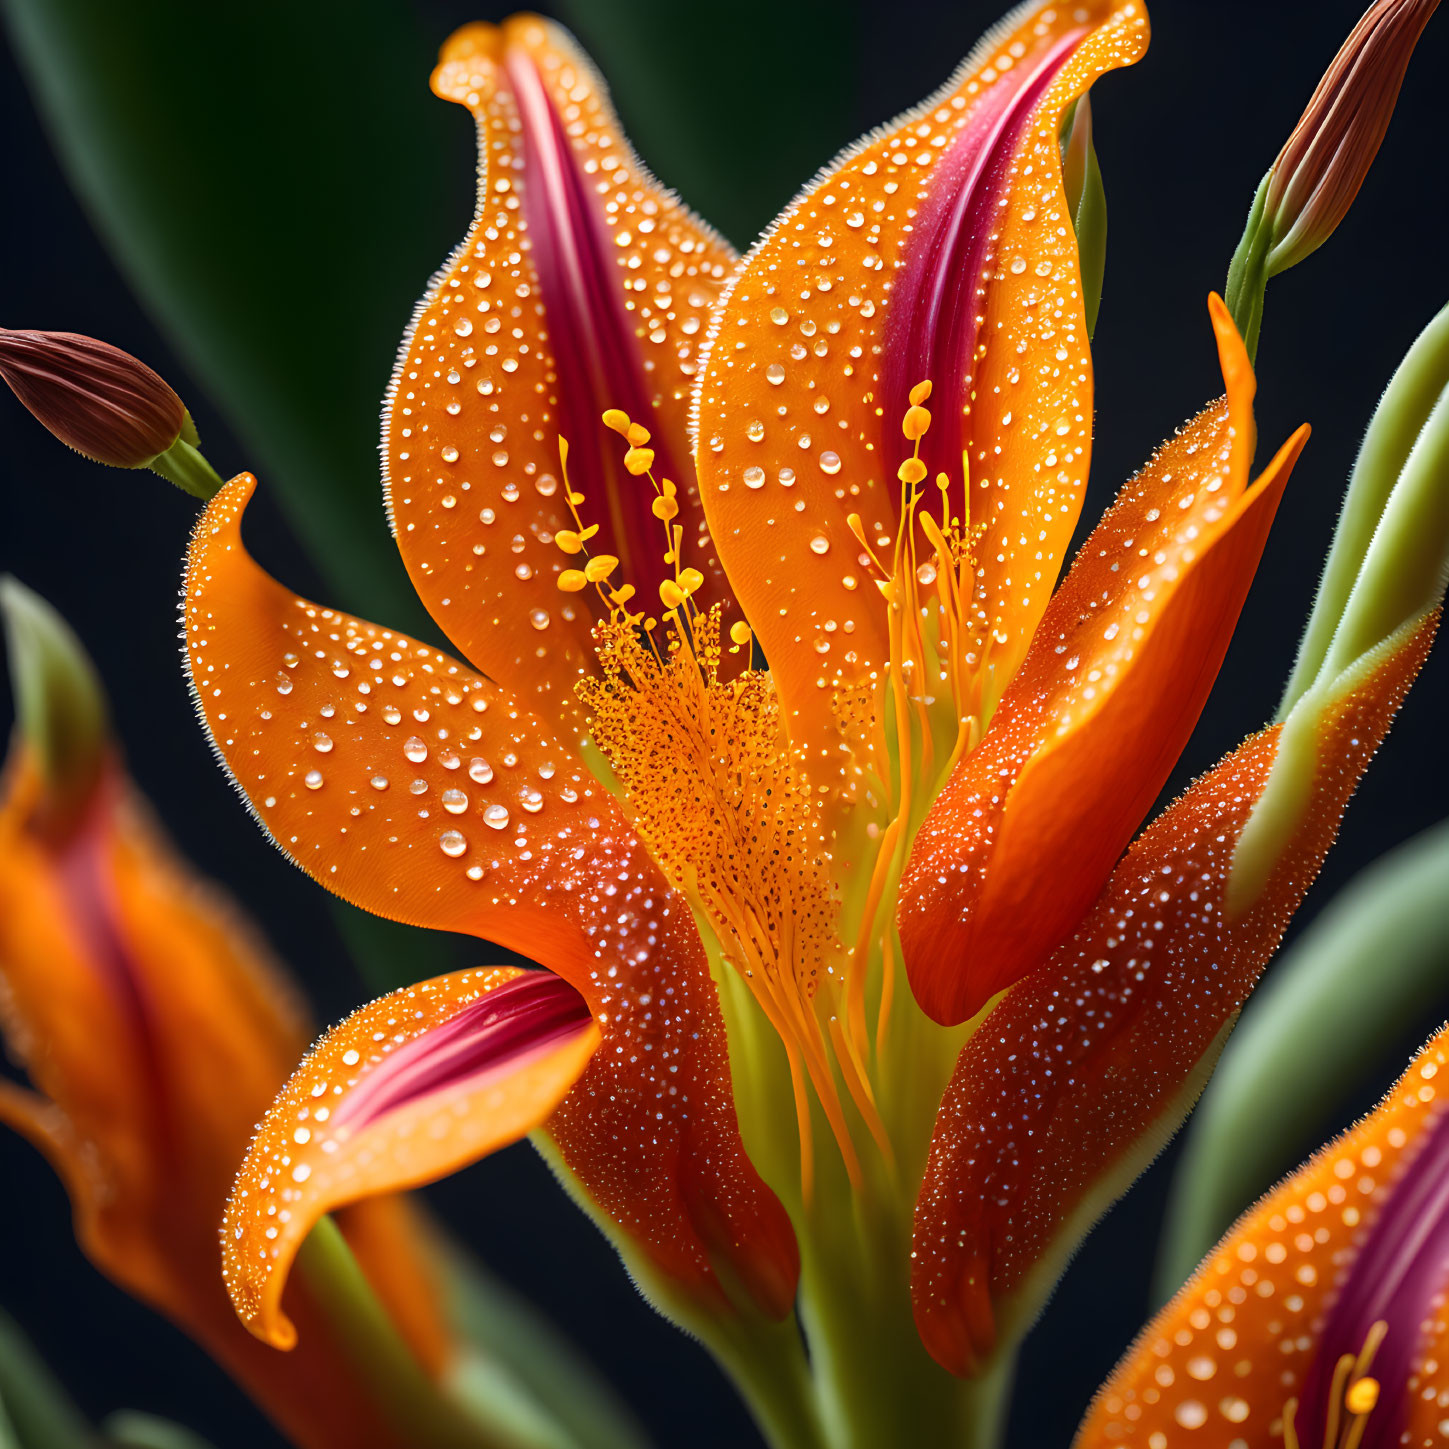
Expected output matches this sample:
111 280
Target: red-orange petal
1085 1068
417 789
939 249
582 285
1243 1337
1089 730
408 1089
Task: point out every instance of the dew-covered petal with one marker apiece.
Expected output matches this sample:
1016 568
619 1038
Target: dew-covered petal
582 285
940 248
413 787
1356 1235
409 1088
1086 1067
1095 719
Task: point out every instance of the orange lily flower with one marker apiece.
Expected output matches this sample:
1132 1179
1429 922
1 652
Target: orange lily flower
781 904
1319 1318
155 1029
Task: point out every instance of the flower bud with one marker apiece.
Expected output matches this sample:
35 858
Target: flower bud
1310 187
104 403
1318 172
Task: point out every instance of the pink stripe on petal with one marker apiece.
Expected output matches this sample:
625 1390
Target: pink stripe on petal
500 1032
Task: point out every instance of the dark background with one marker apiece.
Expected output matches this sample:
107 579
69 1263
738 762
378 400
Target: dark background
1183 139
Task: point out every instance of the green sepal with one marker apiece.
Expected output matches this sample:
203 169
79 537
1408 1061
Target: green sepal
1312 1039
184 466
1401 428
1087 203
60 704
35 1412
1388 569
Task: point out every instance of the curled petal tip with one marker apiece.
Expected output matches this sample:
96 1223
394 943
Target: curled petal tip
410 1088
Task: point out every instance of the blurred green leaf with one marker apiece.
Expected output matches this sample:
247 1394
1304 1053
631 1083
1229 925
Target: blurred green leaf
35 1412
129 1430
735 108
1368 970
277 184
520 1357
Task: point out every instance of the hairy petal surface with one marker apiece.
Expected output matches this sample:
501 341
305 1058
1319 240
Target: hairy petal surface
1356 1235
582 285
939 248
1091 726
415 788
1086 1067
410 1088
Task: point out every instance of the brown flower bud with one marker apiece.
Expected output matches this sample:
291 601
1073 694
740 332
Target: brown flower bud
95 398
1321 167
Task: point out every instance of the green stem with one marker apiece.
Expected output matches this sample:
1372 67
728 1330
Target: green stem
1248 274
182 465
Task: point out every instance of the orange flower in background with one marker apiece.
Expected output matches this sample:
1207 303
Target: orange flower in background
155 1029
1319 1318
780 747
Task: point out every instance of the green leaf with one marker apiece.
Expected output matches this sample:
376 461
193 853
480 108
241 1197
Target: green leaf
1313 1037
520 1360
131 1430
277 184
737 110
35 1411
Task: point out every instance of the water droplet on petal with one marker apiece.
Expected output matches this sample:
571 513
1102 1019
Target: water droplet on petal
480 770
830 462
496 816
754 477
820 544
321 743
415 749
313 779
452 842
455 802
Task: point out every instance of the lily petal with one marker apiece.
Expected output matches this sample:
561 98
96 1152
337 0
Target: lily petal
408 1089
419 790
582 285
1089 730
1355 1236
939 248
1078 1077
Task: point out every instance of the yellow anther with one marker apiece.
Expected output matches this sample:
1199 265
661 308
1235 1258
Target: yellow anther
600 567
857 528
637 435
568 540
920 393
690 581
1362 1396
664 508
668 488
740 632
622 594
617 419
916 421
639 460
570 581
943 482
575 499
670 594
589 532
911 471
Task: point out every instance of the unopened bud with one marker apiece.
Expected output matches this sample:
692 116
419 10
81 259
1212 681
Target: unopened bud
1318 172
107 405
104 403
1310 187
